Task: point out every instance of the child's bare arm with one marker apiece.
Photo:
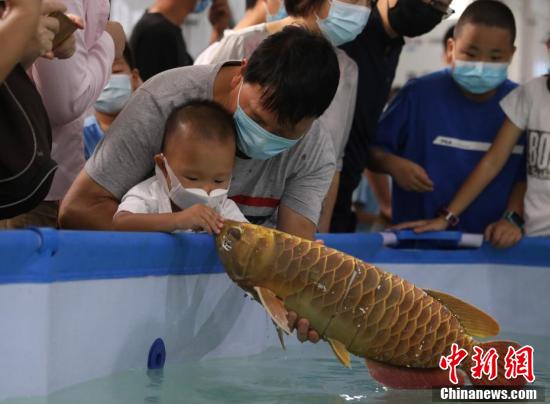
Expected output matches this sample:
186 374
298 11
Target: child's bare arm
197 217
488 168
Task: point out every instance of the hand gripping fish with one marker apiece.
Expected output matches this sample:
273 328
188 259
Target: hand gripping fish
401 330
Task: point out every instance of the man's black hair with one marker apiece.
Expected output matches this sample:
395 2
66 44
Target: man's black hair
250 4
448 35
298 71
302 8
129 57
205 117
491 13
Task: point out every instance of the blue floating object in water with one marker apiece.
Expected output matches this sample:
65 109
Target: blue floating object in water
157 355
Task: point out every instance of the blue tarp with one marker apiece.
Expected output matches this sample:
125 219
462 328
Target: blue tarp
47 255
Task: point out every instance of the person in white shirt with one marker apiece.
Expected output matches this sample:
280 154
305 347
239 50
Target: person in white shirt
192 175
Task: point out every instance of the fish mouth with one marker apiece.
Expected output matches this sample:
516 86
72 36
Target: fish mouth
232 232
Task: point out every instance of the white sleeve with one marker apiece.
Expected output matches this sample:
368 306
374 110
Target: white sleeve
230 47
207 55
517 105
138 200
231 211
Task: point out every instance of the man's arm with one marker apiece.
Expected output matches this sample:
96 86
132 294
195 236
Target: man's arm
328 204
87 205
295 224
19 24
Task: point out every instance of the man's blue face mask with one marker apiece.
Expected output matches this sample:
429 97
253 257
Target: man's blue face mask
479 77
253 140
344 22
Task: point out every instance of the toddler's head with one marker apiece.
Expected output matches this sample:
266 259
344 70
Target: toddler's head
199 146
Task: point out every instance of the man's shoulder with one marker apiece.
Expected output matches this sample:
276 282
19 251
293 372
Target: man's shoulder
152 22
182 82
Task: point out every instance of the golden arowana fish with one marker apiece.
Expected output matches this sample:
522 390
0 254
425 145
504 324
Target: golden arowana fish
400 329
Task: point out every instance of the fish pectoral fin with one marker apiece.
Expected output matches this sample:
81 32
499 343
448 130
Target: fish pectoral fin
274 307
476 322
340 351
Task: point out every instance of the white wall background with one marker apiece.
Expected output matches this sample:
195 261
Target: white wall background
420 56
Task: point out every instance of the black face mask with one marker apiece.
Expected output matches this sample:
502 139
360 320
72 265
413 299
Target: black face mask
413 17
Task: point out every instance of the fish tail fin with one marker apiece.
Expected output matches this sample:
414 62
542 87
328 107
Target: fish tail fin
501 347
411 378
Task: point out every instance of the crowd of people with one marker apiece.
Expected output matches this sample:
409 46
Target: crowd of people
274 123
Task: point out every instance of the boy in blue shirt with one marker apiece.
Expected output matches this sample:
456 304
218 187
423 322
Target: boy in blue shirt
439 126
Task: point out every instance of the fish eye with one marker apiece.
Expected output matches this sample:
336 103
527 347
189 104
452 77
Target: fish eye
235 233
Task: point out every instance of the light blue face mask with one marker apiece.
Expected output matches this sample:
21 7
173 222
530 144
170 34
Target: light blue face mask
479 77
253 140
279 15
201 6
115 95
344 22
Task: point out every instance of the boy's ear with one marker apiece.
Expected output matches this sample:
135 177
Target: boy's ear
159 160
236 80
451 44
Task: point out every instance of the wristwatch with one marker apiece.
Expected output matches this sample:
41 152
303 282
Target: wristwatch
449 216
514 218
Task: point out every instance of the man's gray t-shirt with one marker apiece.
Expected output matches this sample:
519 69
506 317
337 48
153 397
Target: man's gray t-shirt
299 178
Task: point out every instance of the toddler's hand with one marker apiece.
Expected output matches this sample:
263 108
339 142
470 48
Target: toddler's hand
200 218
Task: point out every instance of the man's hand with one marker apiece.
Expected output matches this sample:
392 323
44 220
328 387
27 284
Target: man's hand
199 218
503 234
67 48
119 37
42 42
305 333
410 176
422 226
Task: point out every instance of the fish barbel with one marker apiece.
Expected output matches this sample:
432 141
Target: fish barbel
402 330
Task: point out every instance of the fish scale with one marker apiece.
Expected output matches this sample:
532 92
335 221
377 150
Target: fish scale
372 313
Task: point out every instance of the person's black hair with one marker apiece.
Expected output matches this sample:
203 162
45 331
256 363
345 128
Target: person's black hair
491 13
448 35
298 71
129 57
302 8
250 4
206 118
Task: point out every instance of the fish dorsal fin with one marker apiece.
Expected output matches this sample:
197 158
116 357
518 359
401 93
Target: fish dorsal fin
340 351
476 322
274 307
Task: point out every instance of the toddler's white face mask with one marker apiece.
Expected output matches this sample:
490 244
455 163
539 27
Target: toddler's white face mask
186 197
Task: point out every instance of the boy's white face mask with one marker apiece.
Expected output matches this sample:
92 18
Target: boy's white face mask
186 197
